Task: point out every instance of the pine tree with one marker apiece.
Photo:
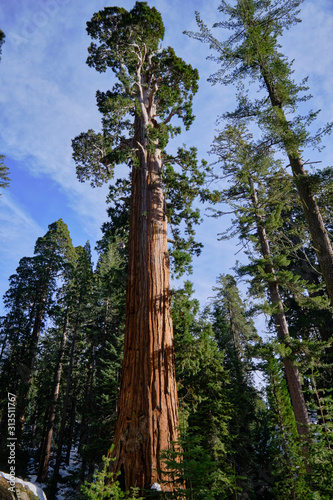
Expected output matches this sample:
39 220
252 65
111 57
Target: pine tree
237 337
29 300
153 86
289 469
79 295
253 51
252 173
52 406
205 408
4 179
107 336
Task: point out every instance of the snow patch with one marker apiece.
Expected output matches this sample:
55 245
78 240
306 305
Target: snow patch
32 487
156 487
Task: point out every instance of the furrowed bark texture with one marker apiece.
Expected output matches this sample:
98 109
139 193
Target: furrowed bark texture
148 403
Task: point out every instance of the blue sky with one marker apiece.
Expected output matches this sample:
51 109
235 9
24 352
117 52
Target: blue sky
48 97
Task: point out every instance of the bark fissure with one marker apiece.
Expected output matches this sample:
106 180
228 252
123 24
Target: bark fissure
148 403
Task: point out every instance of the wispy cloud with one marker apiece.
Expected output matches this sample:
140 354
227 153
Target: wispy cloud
18 233
48 97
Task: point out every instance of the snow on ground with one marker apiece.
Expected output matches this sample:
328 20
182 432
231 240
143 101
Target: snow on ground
32 487
65 489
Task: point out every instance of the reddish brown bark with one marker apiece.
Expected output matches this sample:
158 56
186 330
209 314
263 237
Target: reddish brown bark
148 403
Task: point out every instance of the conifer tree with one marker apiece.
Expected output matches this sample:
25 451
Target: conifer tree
107 336
29 300
288 465
78 281
252 174
253 51
4 179
237 338
153 86
205 408
79 295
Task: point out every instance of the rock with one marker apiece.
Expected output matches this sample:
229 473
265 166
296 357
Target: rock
24 489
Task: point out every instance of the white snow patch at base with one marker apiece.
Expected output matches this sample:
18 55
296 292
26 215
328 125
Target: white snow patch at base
32 487
156 487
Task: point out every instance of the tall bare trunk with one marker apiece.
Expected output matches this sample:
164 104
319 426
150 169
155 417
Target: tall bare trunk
26 370
148 403
71 426
46 446
66 400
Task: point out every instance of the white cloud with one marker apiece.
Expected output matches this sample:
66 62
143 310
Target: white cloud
48 97
18 233
14 218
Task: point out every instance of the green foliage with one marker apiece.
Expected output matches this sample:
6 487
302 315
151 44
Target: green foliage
107 327
153 87
105 485
31 304
129 45
182 187
89 149
178 83
222 417
236 336
286 448
262 198
202 390
194 474
252 53
121 35
321 445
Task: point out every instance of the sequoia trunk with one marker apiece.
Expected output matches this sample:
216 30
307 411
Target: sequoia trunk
148 403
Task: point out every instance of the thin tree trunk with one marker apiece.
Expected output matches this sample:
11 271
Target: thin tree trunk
46 446
84 430
148 402
318 232
26 371
65 403
71 426
291 371
4 342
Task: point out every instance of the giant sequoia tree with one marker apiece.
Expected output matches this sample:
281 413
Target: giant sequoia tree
153 86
